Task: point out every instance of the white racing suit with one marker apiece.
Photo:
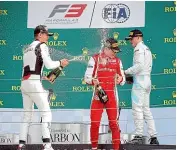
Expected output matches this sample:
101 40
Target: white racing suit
32 89
141 71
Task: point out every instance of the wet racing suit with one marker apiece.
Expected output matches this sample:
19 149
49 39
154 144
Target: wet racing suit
106 69
35 57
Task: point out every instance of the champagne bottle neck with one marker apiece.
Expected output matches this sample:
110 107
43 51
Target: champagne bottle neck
60 68
99 87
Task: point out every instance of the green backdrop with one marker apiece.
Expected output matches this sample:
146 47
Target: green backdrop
80 44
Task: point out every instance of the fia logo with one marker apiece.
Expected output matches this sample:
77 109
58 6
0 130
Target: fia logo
116 13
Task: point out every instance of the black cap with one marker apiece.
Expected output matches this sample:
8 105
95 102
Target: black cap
134 33
112 44
42 29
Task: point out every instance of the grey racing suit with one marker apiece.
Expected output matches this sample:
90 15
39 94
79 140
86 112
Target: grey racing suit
31 87
141 71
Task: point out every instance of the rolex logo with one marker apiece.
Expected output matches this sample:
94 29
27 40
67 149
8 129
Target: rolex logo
85 51
174 32
83 81
174 63
116 35
174 94
53 98
55 36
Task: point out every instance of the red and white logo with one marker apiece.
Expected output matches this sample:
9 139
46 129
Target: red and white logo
60 14
69 11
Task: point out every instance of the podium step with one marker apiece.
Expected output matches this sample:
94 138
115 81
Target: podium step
88 147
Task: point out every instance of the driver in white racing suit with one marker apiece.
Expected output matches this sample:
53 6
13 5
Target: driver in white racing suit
35 57
141 72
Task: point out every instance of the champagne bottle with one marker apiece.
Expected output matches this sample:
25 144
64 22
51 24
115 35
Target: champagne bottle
102 94
54 74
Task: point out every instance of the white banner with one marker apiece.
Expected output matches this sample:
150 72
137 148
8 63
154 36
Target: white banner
64 133
102 14
8 139
61 133
119 14
60 14
82 115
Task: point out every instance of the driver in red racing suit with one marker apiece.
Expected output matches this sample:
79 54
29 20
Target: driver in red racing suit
106 70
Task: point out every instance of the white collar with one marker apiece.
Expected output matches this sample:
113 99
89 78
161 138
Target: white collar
141 42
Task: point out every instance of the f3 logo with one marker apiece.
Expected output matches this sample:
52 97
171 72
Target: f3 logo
75 10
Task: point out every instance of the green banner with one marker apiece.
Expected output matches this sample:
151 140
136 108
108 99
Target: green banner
71 92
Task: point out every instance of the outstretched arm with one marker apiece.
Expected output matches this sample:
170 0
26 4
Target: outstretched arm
48 62
90 71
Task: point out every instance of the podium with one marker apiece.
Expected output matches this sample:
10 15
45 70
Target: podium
75 133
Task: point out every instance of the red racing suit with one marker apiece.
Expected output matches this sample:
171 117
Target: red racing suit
105 69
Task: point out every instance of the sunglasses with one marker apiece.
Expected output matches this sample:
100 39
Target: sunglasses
114 45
